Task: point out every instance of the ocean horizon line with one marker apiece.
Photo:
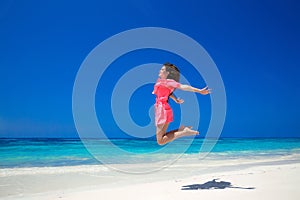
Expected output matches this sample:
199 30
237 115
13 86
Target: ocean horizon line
135 138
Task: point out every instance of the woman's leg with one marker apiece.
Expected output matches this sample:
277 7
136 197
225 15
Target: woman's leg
162 137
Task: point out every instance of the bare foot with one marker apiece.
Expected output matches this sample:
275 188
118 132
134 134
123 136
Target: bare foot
188 131
185 131
181 128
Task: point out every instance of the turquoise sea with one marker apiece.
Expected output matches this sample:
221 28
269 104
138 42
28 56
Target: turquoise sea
72 152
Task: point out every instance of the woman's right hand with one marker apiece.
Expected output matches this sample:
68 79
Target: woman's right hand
179 101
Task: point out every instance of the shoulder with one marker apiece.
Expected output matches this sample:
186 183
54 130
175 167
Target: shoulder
172 83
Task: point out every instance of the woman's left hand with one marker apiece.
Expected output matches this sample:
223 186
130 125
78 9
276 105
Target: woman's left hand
205 91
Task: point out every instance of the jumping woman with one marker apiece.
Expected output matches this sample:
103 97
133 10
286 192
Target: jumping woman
167 82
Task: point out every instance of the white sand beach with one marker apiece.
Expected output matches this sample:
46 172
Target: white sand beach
274 178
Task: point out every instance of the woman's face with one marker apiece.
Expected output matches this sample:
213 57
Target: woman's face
163 73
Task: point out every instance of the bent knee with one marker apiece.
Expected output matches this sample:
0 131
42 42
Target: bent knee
161 142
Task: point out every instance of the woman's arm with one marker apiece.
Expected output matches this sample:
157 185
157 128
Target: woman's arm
189 88
175 99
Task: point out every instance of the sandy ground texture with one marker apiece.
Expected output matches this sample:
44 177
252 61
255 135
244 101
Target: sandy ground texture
246 179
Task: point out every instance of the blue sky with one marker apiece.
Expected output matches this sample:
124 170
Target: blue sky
255 45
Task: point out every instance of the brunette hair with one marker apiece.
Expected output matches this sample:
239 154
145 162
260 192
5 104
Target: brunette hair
174 72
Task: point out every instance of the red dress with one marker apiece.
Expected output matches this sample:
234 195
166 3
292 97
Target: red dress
162 89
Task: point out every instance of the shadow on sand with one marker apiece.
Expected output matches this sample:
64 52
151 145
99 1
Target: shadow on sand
213 185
